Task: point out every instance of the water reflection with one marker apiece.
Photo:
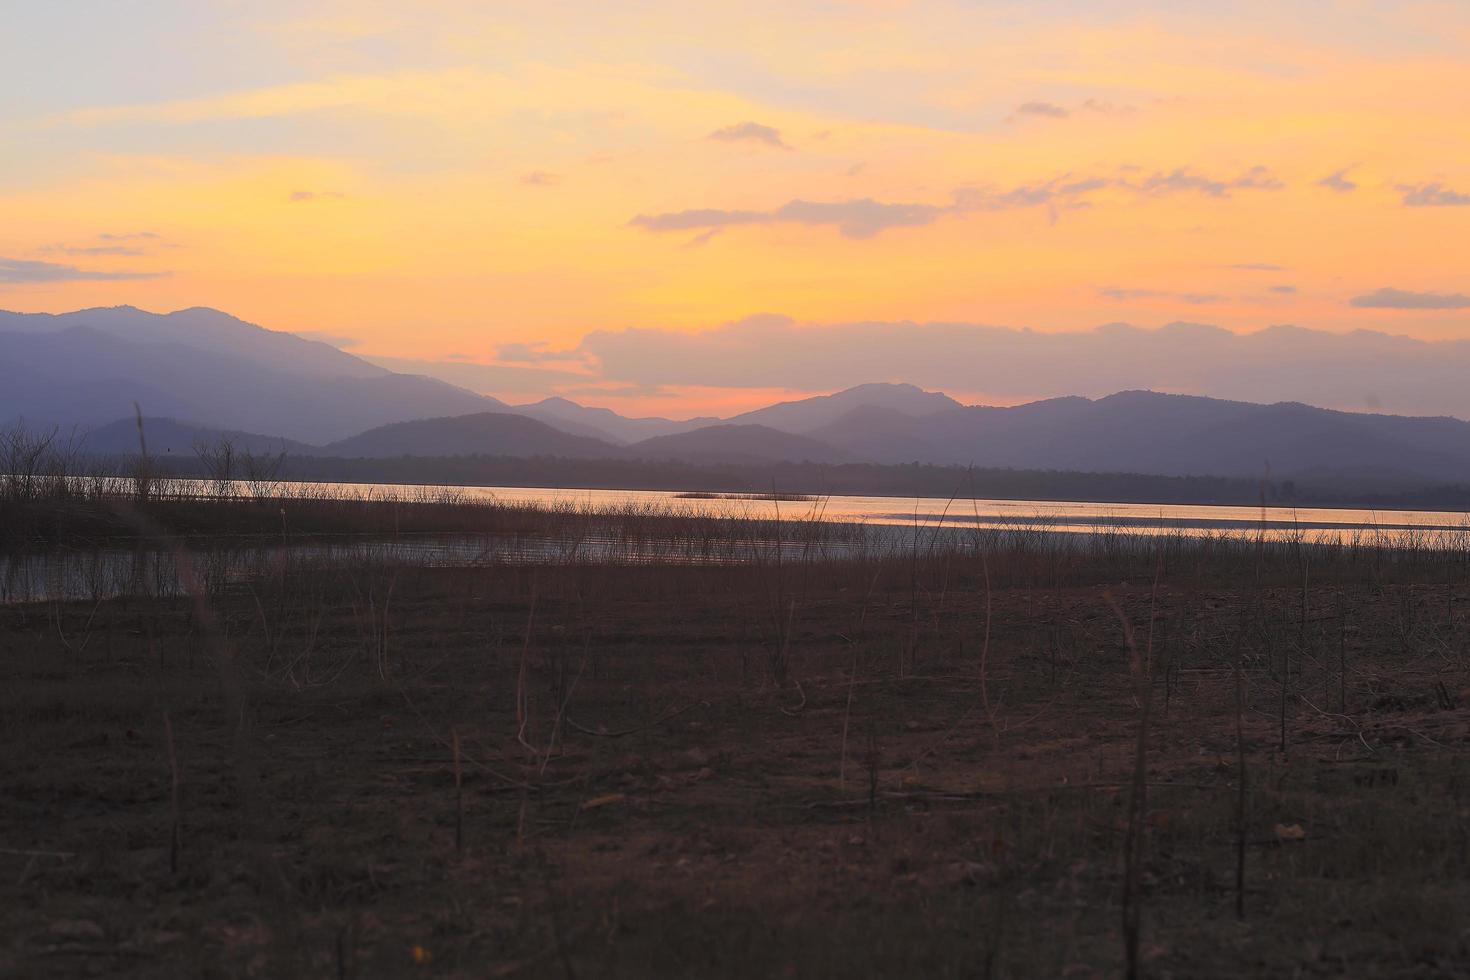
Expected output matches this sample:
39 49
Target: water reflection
758 530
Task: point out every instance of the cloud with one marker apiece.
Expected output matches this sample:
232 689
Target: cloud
132 250
1398 374
1194 299
619 391
855 217
1050 110
752 132
1064 191
332 339
1258 267
1403 299
1046 110
1432 196
1338 182
702 239
1184 179
538 352
483 378
1284 290
866 218
859 217
131 244
541 178
16 271
302 197
527 353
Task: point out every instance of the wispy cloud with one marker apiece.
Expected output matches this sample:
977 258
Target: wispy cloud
541 178
1284 289
1051 110
1193 299
1183 179
855 217
1403 299
702 239
1339 182
17 271
128 243
1258 267
133 250
865 217
1432 196
521 353
1047 110
751 132
536 352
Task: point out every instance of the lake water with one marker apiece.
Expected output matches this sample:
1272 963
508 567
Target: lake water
882 524
1311 523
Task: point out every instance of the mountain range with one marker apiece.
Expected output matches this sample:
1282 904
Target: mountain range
199 374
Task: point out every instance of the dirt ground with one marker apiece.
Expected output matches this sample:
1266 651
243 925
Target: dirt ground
700 772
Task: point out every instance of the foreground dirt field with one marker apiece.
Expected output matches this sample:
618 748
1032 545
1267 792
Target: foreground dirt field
711 772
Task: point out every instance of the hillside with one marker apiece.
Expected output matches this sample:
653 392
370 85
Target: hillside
86 377
607 424
203 329
169 437
484 433
808 414
738 444
1148 432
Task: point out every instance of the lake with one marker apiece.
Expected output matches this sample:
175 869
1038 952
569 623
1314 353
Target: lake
879 524
1314 523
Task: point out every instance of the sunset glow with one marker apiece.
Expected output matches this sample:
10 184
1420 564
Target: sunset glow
491 183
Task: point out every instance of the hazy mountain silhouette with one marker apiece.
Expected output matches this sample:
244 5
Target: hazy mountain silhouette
1130 432
168 437
84 376
1148 432
604 423
809 414
215 373
484 433
879 434
798 417
738 444
203 329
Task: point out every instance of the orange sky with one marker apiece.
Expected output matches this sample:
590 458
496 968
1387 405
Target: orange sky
439 180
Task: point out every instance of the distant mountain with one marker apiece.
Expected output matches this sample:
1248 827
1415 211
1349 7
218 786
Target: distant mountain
217 374
879 435
738 444
1173 435
203 329
809 414
167 437
801 417
604 422
86 377
485 433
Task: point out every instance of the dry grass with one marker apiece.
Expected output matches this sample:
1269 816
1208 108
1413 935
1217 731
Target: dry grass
583 770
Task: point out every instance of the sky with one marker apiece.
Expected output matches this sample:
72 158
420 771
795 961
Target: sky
549 197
